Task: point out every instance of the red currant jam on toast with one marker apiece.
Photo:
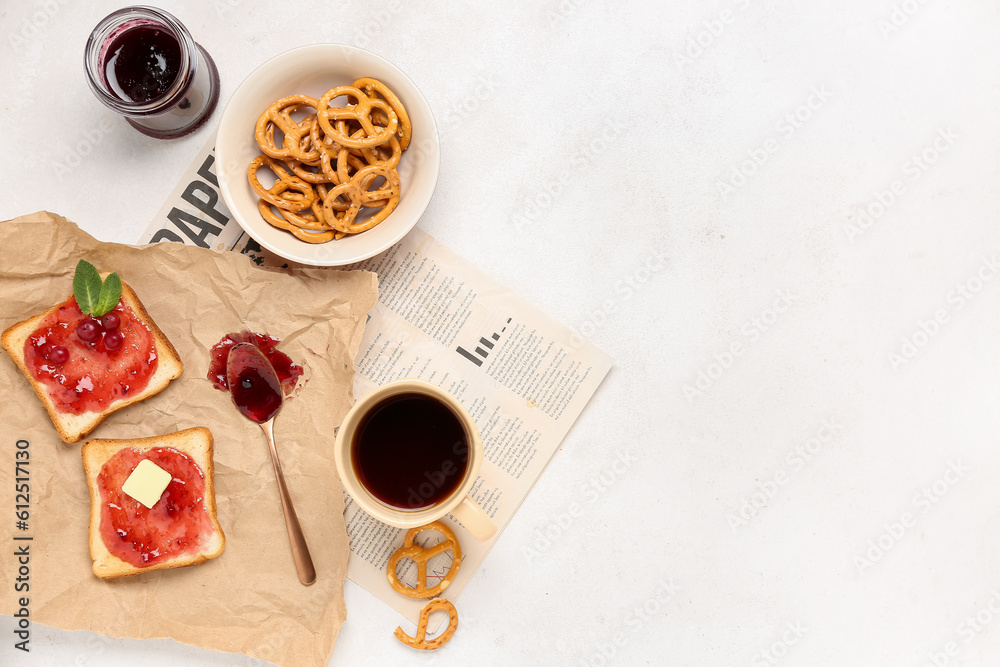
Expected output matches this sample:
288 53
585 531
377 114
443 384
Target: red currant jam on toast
177 525
88 363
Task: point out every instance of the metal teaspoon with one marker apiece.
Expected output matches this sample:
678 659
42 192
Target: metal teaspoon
257 394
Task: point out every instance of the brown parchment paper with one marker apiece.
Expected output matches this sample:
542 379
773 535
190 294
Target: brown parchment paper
248 600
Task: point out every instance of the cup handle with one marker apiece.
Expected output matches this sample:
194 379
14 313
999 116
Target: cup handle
474 519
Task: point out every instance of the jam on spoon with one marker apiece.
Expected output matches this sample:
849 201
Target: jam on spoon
288 371
256 392
253 383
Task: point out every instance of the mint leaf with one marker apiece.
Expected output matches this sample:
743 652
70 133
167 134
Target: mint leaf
111 291
94 296
86 286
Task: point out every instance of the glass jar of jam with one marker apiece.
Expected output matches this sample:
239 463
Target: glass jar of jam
143 64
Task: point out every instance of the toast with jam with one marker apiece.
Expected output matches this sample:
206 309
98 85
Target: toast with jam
152 503
87 360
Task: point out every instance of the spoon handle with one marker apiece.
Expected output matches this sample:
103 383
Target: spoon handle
300 550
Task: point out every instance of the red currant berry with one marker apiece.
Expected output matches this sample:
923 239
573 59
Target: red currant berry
88 330
111 321
58 354
113 340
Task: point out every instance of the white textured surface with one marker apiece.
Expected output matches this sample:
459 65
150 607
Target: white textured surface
522 93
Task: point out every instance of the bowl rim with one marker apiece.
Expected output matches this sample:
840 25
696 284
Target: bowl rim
361 256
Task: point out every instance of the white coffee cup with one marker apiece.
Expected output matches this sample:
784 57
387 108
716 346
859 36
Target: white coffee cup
458 503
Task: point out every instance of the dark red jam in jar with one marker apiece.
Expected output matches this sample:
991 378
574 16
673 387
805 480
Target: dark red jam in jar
179 522
85 363
288 371
142 63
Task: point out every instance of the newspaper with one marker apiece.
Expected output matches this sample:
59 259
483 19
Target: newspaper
523 377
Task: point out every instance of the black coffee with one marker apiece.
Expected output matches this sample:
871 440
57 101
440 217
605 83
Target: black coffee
410 451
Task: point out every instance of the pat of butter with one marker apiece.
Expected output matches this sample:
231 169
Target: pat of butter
147 483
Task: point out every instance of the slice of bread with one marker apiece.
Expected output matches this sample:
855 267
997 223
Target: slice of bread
195 443
71 427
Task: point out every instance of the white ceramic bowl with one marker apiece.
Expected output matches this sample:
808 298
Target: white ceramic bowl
312 70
